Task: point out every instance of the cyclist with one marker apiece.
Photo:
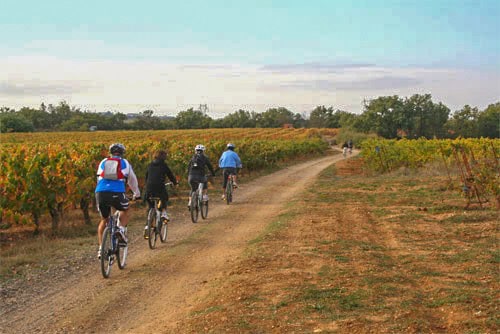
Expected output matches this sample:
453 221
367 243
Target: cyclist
196 171
156 174
350 145
229 162
112 175
344 149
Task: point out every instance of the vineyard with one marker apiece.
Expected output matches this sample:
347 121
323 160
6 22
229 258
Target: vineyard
472 165
46 173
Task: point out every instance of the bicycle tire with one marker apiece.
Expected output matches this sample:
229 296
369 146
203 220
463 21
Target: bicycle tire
204 209
194 207
121 256
106 253
163 230
229 192
152 234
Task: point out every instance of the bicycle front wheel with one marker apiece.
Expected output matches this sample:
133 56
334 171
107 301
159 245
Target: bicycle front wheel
106 253
152 234
163 230
194 207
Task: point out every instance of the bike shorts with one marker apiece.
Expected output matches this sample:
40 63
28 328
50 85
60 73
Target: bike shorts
106 200
162 195
226 172
194 180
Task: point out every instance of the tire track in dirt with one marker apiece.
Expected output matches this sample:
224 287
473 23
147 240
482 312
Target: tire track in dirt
159 288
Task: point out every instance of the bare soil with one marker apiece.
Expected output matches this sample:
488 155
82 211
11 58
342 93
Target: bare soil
159 289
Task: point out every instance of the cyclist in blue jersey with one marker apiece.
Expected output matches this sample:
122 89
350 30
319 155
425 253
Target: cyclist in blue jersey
229 162
113 174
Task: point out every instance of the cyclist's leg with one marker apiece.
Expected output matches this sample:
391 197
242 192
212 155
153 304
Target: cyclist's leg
121 203
205 189
104 209
194 186
163 203
225 174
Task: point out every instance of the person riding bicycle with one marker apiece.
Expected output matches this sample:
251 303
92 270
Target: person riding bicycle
196 171
156 174
229 162
113 174
344 149
350 145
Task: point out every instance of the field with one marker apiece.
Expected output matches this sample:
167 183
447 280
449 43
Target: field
325 245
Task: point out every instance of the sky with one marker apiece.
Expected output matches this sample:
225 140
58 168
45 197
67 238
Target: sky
168 56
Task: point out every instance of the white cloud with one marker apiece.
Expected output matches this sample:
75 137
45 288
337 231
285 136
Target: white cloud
165 87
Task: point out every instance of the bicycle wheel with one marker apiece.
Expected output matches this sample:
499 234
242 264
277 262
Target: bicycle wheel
121 256
204 209
229 192
194 207
152 235
106 253
163 230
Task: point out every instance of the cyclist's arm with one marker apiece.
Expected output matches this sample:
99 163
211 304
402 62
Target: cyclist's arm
170 175
210 167
132 183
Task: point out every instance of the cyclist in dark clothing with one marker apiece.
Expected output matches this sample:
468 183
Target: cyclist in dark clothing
196 171
156 175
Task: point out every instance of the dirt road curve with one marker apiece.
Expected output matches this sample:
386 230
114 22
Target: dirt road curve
160 287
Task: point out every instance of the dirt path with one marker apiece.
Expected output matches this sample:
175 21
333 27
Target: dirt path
159 288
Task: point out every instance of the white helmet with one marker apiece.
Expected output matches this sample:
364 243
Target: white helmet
199 147
117 148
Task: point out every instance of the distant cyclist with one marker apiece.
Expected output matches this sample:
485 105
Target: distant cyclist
350 145
112 175
196 171
156 175
345 147
229 162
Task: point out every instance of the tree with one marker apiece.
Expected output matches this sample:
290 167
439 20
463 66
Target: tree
422 118
464 122
383 116
275 118
14 122
239 119
488 122
192 119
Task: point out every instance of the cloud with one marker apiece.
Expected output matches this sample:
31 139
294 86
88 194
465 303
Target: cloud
314 67
381 83
37 88
133 86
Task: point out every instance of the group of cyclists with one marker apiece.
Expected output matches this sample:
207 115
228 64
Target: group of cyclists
115 173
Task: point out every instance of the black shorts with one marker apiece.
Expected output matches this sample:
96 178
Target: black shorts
194 180
226 172
162 195
106 200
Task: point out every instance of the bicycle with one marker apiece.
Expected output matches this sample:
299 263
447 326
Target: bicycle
156 225
112 247
198 205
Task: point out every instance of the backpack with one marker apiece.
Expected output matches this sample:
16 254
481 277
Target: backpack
197 162
112 169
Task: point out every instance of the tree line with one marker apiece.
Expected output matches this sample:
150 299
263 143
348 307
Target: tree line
387 116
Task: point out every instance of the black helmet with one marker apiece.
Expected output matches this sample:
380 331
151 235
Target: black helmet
117 148
230 146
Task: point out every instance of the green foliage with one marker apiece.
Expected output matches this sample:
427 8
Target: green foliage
12 122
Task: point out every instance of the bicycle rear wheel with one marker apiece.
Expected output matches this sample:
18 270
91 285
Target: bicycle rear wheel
194 207
163 230
152 234
229 192
106 253
121 256
204 209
